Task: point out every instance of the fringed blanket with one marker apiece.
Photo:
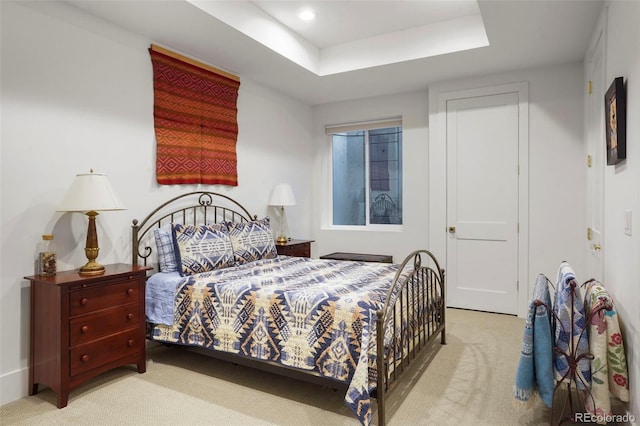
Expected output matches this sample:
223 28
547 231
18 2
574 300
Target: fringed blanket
309 314
609 364
535 368
570 338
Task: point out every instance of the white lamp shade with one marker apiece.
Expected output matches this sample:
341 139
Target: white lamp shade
282 195
90 191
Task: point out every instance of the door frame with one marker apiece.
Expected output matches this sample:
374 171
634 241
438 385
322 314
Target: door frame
438 174
597 45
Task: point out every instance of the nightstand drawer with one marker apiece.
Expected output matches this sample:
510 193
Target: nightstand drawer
103 323
300 250
87 357
295 248
100 297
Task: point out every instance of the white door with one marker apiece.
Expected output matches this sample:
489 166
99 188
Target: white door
595 158
482 202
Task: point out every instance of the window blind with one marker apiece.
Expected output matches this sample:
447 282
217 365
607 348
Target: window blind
363 125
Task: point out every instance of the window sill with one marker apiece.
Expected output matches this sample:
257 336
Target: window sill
363 228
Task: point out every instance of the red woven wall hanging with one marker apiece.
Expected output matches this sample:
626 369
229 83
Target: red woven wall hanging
195 117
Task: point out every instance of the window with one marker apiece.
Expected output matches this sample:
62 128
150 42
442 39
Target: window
367 173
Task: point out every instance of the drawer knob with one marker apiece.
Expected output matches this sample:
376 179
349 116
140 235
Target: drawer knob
130 342
84 301
129 316
129 291
84 328
84 358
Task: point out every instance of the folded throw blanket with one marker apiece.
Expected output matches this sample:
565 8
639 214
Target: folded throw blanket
535 368
570 337
609 364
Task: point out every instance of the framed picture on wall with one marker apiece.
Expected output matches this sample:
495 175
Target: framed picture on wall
615 121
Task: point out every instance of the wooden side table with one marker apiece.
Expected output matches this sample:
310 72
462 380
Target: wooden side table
82 326
360 257
297 248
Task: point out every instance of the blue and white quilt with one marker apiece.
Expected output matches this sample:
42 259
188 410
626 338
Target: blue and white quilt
309 314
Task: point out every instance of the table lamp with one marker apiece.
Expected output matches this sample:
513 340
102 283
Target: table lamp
90 193
282 195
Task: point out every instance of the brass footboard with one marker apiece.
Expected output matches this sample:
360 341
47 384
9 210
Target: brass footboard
412 317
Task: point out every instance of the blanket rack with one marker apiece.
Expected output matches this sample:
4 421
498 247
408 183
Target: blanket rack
571 378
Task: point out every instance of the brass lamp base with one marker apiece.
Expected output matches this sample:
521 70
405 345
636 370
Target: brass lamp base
91 250
91 268
281 240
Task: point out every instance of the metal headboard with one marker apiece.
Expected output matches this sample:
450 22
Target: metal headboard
194 208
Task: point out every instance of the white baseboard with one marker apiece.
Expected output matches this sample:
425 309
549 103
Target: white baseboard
14 386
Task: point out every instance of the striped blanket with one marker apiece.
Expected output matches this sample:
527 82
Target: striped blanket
535 368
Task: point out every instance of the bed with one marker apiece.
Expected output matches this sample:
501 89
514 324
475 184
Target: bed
230 293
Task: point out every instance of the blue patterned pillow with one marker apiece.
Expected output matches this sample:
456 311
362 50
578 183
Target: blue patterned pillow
166 253
252 241
202 248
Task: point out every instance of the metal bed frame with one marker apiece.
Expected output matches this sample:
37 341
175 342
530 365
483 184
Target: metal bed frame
416 300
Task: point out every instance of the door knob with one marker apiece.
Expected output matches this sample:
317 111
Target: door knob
596 247
452 229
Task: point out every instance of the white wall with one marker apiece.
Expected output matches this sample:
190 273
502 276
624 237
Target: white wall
622 187
413 110
77 94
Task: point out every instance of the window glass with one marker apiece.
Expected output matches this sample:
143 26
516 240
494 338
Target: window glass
367 176
349 178
385 176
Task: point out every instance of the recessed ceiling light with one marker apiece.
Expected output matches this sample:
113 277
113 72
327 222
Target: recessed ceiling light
307 15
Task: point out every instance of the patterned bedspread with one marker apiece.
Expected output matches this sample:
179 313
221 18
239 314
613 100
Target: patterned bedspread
310 314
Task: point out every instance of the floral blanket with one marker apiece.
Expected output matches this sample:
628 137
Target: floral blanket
310 314
609 364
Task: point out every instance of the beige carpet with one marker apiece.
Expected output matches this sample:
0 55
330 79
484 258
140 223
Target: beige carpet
469 381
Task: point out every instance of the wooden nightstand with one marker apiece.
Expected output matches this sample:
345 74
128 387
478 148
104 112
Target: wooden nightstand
82 326
297 248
